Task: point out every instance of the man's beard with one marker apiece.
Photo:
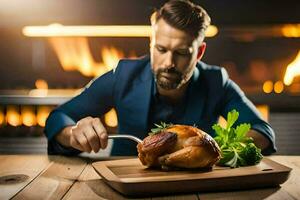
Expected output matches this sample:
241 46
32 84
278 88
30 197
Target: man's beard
168 83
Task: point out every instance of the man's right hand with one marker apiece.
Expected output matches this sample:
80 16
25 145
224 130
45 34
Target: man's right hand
87 135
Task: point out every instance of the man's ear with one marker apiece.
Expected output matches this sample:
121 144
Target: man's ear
201 50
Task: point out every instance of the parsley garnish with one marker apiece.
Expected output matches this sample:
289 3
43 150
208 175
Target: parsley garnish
237 149
159 127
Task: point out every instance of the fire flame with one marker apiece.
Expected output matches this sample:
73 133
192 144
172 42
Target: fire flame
42 114
2 116
13 116
75 54
24 115
110 118
28 116
292 70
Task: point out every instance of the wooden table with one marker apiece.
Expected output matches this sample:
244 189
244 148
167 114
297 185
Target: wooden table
58 177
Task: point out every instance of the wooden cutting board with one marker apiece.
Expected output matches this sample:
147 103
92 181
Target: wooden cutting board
131 178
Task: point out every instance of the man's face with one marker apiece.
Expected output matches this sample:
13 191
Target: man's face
173 55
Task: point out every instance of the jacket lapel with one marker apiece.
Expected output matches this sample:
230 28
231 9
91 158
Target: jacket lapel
137 104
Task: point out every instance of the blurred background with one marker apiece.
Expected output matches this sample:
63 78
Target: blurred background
50 49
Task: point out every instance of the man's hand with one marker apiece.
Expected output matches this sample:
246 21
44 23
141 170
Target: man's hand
87 135
259 140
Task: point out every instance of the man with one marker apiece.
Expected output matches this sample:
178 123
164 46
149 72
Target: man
171 86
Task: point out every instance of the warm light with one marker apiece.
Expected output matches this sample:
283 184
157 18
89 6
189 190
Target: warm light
110 57
264 111
222 122
75 54
292 70
42 89
291 30
211 31
2 116
268 86
38 93
58 30
278 87
111 119
28 116
12 115
41 84
42 114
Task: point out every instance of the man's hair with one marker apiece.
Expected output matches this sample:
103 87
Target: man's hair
183 15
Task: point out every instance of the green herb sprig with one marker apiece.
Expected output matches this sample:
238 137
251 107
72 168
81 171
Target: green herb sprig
159 127
237 149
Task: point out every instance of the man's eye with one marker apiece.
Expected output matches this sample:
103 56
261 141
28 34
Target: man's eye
183 52
161 50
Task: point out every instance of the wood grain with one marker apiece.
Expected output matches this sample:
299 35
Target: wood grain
48 177
55 181
17 171
268 193
178 197
91 186
288 190
292 185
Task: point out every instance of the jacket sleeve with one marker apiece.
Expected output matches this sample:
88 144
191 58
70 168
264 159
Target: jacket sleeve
234 98
95 100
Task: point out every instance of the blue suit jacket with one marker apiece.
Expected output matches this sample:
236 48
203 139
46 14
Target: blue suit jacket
128 89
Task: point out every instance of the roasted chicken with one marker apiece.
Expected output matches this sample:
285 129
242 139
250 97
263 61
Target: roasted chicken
179 146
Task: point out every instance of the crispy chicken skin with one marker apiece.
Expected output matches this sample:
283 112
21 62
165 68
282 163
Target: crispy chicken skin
155 146
179 146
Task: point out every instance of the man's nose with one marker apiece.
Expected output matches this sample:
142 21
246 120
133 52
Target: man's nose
169 60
